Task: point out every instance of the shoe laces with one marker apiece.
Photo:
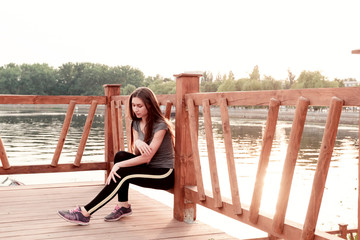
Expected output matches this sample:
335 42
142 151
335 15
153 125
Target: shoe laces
116 209
75 210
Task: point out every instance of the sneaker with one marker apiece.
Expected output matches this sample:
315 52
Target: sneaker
118 213
74 216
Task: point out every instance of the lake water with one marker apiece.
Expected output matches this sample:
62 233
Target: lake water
30 134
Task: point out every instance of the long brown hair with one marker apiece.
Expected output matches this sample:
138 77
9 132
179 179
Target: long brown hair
154 113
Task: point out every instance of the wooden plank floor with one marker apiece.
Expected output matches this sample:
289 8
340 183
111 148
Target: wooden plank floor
30 212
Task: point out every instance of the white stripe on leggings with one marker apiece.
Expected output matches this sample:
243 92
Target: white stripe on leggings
123 180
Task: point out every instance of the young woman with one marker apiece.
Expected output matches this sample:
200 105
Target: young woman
151 165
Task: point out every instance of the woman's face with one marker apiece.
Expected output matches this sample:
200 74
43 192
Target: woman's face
139 107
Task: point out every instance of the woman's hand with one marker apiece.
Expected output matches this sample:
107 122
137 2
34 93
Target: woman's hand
113 173
143 147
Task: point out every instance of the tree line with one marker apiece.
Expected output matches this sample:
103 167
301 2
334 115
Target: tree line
306 79
88 79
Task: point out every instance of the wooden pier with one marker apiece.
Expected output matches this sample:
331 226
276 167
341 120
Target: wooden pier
189 187
30 212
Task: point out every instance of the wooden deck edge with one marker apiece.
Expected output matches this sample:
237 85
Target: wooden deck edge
68 167
291 229
52 185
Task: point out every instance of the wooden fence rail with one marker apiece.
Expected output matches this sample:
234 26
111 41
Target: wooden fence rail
290 162
264 158
3 157
54 166
277 226
64 131
189 187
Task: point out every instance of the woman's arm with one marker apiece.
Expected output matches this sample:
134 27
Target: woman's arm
145 156
147 151
136 137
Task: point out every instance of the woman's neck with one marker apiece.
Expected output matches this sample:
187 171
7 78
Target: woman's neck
143 124
143 120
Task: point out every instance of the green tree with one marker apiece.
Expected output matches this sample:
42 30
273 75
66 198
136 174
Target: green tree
128 75
240 83
149 80
38 79
228 83
10 79
207 77
89 78
161 85
308 79
128 89
208 84
255 75
290 80
231 76
93 75
269 83
68 78
340 82
251 85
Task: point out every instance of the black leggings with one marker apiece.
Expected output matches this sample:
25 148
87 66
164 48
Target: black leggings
141 175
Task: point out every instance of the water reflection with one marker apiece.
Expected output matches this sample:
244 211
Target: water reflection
247 140
31 135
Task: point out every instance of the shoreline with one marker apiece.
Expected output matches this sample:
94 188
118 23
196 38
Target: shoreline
347 117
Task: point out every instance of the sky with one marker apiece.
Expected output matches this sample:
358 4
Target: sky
169 37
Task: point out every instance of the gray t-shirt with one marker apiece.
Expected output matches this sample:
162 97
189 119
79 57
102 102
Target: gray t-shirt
164 157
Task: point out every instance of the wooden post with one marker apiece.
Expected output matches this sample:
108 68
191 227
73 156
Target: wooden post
264 158
289 164
128 125
230 160
193 122
184 209
64 131
3 157
322 168
168 109
343 230
211 154
88 123
114 126
110 90
357 51
120 126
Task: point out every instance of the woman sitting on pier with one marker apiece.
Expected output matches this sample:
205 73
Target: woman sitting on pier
151 166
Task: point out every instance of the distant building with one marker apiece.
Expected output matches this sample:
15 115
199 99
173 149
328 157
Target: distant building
351 83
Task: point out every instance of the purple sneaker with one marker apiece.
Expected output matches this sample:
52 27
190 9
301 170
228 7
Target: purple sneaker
118 213
74 216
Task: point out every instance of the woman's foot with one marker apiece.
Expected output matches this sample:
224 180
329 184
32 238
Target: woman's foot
118 213
75 216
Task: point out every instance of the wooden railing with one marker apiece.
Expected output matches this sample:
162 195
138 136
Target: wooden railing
54 166
189 188
113 111
277 226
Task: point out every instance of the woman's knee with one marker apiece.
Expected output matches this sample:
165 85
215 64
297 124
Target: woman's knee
122 155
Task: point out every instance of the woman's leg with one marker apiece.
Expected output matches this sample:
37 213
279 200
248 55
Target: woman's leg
109 191
145 177
142 175
121 156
